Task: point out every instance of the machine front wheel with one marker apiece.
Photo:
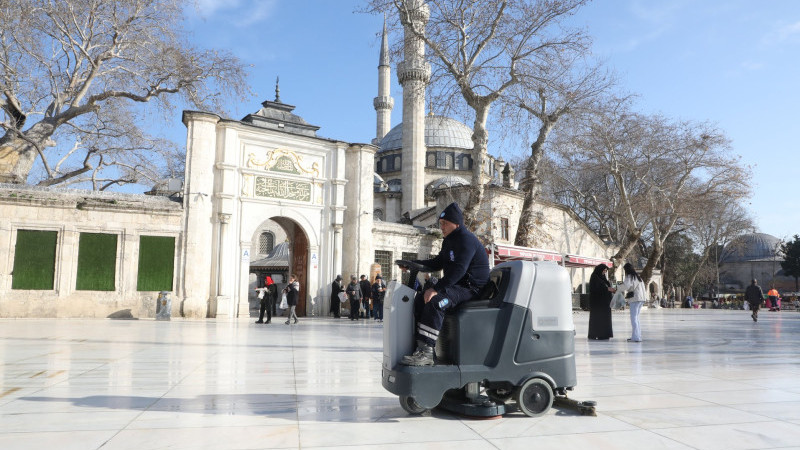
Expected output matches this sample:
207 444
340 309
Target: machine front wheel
410 405
535 397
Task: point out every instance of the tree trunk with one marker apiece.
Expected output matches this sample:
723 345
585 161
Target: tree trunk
655 255
19 152
531 186
480 140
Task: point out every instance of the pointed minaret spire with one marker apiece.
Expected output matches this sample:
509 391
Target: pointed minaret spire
384 58
277 90
383 103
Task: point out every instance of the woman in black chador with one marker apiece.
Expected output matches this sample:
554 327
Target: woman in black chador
600 293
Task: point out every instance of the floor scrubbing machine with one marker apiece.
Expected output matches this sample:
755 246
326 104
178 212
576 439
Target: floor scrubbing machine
512 348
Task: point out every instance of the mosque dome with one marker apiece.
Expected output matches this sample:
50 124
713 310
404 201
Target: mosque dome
440 131
751 247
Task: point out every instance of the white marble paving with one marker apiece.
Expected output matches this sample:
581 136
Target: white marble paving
702 379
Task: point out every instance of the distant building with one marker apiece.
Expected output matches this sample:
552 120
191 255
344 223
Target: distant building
753 255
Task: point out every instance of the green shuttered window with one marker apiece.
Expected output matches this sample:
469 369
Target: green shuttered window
97 260
34 260
156 263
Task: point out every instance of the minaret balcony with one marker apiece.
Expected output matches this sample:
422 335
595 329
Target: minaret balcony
383 103
413 71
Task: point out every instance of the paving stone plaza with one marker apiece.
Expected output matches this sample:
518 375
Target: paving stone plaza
702 379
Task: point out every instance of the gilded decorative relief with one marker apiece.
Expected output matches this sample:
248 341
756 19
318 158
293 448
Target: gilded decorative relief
283 160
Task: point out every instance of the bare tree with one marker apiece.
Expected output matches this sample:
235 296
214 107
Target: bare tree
73 74
548 92
476 49
597 164
714 224
643 175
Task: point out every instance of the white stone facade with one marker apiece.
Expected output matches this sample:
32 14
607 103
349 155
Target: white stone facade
71 213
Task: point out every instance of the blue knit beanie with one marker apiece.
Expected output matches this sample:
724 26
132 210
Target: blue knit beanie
453 214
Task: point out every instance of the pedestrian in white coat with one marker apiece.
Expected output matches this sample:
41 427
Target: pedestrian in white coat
636 296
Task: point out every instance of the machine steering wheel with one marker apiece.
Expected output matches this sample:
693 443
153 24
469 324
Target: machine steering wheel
414 268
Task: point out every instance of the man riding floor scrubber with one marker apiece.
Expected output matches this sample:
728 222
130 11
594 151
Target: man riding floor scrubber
515 344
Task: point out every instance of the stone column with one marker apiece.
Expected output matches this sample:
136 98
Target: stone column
198 217
413 74
357 251
223 305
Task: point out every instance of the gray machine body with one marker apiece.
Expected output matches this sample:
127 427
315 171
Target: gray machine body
521 327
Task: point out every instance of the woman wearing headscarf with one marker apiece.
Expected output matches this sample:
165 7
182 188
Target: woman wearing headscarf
633 284
600 292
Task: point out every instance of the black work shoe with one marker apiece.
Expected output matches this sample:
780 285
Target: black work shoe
259 321
422 357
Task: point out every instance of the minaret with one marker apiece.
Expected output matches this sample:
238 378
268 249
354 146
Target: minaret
413 74
383 102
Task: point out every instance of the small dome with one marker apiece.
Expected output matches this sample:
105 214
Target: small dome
448 182
751 247
440 131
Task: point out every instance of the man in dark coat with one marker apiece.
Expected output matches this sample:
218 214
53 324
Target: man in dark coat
366 295
465 267
754 296
378 293
336 289
353 291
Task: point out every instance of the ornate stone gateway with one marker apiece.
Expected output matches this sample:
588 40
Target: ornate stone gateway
270 165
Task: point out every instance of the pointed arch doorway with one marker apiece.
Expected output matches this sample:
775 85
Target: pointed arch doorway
296 262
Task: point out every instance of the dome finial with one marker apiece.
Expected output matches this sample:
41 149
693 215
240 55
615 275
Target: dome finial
277 90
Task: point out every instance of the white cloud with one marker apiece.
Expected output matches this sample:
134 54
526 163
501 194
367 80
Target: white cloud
782 33
240 12
789 31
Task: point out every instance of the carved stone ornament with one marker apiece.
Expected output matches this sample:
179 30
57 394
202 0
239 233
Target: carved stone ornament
283 160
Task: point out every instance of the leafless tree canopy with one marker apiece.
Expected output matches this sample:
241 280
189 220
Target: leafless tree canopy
479 49
73 74
637 177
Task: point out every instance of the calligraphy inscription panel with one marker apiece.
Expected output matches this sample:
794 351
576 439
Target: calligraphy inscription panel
283 189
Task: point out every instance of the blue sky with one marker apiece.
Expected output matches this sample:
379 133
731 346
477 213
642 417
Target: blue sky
735 63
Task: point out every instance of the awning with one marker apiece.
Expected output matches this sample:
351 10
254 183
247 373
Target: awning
585 261
512 252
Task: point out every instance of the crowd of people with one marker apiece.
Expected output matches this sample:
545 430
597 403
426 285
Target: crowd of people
363 298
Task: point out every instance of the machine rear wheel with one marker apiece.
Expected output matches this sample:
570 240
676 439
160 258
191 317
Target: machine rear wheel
535 397
410 405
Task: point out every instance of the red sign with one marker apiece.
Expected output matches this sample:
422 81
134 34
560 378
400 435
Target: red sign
586 261
507 252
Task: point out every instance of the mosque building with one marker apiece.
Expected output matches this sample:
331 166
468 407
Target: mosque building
265 195
753 256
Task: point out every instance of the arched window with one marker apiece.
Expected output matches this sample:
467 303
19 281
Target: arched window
378 214
266 243
465 162
441 160
430 159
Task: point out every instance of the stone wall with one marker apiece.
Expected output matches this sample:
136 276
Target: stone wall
70 213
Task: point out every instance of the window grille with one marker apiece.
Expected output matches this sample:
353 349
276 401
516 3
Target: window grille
266 243
97 262
34 260
384 258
